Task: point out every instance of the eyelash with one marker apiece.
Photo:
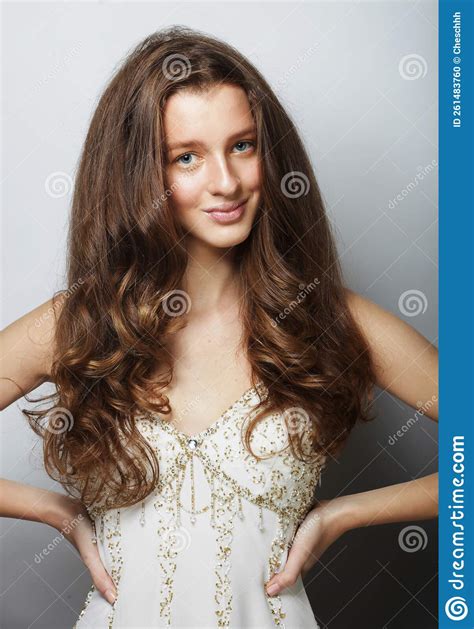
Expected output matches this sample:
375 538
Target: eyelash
187 165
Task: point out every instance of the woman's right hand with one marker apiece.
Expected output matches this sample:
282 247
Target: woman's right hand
74 523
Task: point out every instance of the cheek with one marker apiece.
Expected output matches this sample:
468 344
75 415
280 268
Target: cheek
251 176
186 190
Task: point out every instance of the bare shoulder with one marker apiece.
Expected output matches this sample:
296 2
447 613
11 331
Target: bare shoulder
27 347
373 319
382 327
406 362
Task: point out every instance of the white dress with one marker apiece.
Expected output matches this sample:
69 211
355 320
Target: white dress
198 551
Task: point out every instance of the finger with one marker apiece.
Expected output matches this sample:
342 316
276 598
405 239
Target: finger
298 555
290 572
101 578
280 581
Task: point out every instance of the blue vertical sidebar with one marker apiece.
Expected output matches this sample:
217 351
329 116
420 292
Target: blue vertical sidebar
456 345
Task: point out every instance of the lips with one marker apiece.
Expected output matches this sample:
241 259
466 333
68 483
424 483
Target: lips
226 207
234 213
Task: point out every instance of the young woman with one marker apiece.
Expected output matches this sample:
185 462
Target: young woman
202 276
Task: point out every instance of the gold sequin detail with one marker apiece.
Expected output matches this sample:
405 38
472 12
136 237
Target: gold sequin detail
110 520
114 543
167 535
280 483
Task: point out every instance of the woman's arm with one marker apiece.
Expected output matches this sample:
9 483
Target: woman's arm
26 349
25 502
26 356
406 365
413 500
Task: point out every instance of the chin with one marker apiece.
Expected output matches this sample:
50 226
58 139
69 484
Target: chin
224 237
231 240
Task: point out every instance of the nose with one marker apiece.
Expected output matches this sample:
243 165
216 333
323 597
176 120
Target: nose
222 178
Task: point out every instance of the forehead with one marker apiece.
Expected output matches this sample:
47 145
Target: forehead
216 113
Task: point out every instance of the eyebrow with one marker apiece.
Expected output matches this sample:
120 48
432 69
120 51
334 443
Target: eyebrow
185 143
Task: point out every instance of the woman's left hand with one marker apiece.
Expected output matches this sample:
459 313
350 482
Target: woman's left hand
321 527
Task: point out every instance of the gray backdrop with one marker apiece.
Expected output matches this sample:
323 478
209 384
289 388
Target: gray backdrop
360 81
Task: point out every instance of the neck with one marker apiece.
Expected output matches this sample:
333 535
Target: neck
211 279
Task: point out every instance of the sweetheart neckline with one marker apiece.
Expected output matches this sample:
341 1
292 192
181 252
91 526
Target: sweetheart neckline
167 425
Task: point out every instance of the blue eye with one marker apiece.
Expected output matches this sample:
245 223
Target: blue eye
181 157
244 142
188 163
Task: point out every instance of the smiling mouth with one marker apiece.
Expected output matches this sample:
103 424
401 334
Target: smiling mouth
227 216
226 207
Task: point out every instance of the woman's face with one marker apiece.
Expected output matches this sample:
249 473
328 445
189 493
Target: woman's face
211 152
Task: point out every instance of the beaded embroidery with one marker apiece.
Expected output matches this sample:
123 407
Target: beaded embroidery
86 605
280 483
109 520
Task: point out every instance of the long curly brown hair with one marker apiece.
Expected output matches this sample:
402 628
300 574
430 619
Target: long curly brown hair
126 256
